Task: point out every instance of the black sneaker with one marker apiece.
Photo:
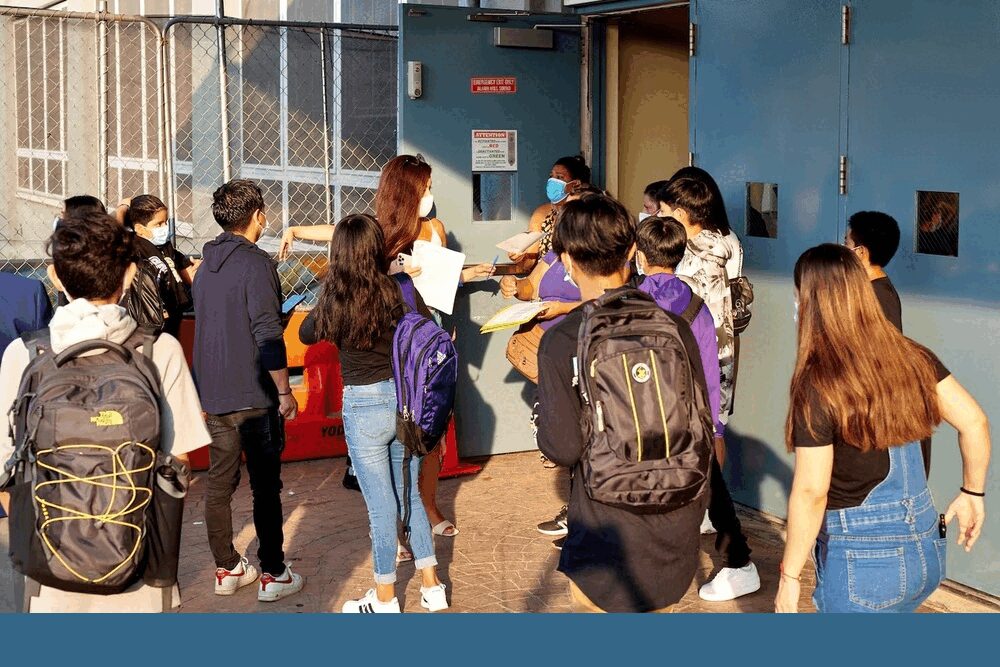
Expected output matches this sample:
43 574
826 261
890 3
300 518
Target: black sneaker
558 544
350 479
556 526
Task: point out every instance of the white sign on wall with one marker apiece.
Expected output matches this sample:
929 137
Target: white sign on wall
494 150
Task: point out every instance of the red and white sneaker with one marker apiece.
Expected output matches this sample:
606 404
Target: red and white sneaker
274 588
228 582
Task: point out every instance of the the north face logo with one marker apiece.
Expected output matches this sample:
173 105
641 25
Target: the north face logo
108 418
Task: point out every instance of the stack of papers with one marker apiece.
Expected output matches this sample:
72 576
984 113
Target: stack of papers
514 316
518 243
440 271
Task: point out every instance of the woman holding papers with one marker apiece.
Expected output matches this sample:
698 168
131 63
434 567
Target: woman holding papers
403 204
568 174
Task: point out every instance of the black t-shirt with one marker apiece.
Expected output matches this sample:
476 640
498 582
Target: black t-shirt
358 367
621 560
167 263
888 298
855 473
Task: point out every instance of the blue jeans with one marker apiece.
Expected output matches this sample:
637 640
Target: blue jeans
884 555
377 457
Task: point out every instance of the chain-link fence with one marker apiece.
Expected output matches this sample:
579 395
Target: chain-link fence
119 106
80 113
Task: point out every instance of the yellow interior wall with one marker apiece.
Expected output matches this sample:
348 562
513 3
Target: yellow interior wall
652 107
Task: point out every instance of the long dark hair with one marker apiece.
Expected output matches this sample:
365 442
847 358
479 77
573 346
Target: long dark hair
879 388
359 302
718 218
397 201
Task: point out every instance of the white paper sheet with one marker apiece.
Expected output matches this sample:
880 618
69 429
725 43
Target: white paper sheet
519 242
440 271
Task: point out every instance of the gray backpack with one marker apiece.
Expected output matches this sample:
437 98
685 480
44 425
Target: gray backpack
646 416
86 428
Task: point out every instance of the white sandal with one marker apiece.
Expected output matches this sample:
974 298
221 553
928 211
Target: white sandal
440 529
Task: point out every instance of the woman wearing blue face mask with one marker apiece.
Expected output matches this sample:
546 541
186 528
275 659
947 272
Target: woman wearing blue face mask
568 174
146 215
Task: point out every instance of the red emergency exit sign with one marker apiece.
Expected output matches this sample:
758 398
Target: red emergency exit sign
494 85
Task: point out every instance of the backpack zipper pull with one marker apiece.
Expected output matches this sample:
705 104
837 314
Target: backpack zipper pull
600 417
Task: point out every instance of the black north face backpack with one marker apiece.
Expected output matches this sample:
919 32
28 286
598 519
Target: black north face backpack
646 415
86 432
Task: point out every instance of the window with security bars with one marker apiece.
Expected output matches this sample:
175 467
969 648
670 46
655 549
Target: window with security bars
937 223
307 105
133 108
40 101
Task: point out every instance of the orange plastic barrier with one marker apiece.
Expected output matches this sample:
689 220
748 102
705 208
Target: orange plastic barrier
318 431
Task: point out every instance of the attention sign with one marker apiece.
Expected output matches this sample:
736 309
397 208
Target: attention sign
494 150
494 85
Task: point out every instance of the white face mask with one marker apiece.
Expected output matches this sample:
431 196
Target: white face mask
643 215
426 204
795 316
638 266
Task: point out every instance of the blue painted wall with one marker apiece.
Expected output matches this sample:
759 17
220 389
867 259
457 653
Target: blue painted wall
912 102
546 113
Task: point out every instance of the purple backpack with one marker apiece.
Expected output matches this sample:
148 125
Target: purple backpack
425 368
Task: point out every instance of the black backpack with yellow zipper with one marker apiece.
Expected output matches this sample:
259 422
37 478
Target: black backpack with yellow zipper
646 416
86 427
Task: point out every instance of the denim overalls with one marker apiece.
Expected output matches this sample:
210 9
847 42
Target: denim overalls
884 555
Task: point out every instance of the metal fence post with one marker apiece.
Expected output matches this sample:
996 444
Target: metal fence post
220 11
326 126
102 103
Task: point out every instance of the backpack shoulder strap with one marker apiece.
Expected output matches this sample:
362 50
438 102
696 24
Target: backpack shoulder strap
149 336
693 308
408 289
37 342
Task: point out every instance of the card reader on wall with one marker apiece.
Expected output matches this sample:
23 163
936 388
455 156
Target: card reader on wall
414 79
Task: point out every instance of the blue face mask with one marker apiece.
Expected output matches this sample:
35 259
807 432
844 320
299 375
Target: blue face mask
555 190
160 235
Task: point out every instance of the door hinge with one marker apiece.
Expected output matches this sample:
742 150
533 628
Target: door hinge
842 175
845 24
690 159
692 39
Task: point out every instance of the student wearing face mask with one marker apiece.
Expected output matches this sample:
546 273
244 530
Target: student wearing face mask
146 215
241 370
650 206
567 175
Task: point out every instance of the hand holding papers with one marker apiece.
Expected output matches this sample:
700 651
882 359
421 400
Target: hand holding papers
514 316
518 243
440 270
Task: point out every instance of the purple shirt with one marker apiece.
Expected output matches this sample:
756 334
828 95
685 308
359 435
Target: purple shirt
673 294
555 287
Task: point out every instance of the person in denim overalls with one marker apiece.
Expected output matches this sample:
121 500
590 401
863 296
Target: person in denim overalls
887 553
859 503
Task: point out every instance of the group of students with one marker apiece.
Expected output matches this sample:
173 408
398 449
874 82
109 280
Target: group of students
863 397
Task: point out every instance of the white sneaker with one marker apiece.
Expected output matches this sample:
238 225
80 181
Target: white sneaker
706 526
228 582
274 588
731 583
370 604
433 598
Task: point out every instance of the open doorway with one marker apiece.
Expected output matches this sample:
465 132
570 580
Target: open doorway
647 97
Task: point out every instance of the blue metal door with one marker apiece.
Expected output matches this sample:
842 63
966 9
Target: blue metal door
923 116
455 47
765 99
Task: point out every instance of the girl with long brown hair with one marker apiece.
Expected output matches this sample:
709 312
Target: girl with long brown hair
403 204
357 311
862 397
